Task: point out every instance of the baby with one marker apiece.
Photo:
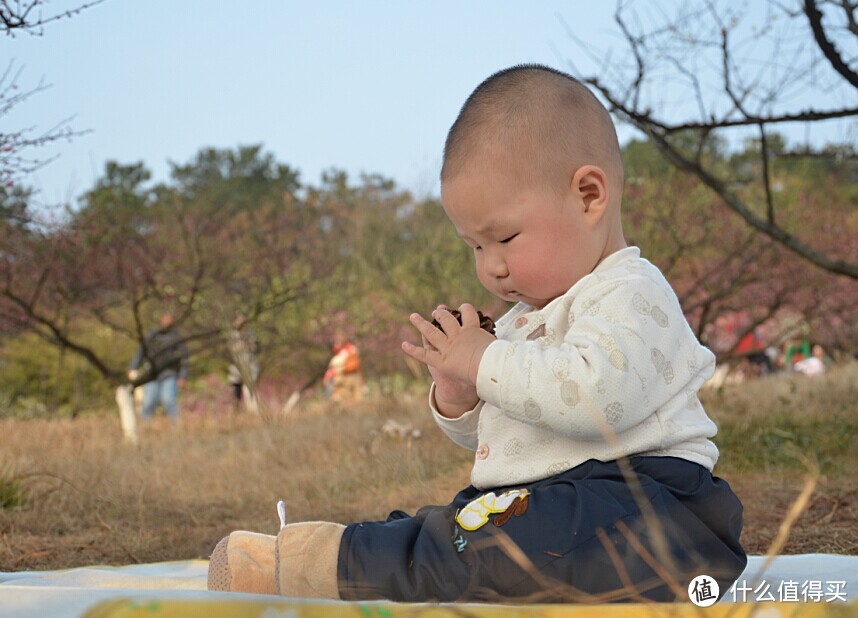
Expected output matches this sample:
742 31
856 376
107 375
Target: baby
592 472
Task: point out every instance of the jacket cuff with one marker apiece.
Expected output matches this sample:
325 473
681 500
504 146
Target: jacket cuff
465 425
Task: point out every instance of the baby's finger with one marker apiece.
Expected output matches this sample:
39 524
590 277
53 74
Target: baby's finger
421 354
449 324
470 317
414 351
428 345
432 335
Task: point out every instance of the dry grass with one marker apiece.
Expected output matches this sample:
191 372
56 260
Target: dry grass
90 499
834 393
775 431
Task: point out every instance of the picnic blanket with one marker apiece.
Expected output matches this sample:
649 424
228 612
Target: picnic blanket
805 585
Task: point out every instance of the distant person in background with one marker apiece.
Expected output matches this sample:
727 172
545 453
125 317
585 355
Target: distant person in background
244 368
752 351
814 365
163 362
795 352
344 377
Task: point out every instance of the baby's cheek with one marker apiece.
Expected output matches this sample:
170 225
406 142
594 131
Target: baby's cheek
478 266
545 277
530 267
481 275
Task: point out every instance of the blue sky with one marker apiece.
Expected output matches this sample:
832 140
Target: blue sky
369 86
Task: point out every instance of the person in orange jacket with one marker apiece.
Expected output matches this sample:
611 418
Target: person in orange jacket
343 379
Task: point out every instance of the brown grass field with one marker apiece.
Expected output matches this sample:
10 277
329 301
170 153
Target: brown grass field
72 494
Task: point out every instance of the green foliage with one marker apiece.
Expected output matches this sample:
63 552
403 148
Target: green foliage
642 160
12 493
786 442
235 180
37 379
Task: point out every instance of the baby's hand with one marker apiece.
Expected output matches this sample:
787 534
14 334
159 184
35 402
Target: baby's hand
452 353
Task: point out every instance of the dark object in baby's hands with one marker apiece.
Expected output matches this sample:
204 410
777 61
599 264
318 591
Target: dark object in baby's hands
486 323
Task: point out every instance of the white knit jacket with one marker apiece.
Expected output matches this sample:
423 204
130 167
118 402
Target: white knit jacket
611 368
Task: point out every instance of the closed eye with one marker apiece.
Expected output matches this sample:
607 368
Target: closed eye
506 240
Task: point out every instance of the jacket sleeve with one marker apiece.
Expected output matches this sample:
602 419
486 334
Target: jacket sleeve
622 358
462 430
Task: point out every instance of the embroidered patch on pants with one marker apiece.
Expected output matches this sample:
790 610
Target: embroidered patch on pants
476 514
459 541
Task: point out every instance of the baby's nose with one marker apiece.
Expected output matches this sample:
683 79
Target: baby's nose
496 267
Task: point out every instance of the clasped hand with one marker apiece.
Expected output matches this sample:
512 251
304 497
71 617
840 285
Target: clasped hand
454 350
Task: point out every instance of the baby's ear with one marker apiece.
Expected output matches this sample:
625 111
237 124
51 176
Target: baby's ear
590 184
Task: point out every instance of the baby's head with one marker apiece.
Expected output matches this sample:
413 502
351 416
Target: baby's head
532 179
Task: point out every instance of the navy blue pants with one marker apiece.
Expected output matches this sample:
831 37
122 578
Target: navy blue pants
585 535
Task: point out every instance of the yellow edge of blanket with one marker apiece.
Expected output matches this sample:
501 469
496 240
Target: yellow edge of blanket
127 608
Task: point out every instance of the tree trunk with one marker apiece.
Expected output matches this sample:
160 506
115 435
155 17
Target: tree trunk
127 417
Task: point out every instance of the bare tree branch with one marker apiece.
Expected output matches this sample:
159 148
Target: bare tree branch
814 17
14 145
23 16
743 90
768 227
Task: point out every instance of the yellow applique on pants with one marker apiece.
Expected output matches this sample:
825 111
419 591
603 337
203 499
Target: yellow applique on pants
476 514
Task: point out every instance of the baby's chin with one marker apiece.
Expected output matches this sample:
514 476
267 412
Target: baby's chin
518 297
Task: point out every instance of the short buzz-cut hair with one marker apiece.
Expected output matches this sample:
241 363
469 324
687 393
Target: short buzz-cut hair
540 113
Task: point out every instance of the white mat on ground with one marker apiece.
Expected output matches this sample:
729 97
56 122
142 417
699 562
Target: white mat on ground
72 592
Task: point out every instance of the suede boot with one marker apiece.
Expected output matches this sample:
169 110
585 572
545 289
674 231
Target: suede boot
306 560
